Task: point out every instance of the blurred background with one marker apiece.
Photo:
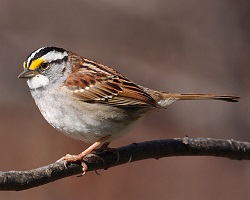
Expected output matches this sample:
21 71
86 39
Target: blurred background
175 46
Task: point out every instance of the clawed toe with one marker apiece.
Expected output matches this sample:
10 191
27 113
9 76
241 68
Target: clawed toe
70 158
74 158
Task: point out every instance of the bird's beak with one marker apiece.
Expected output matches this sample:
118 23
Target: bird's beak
27 73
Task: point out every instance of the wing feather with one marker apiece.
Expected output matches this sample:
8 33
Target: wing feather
93 82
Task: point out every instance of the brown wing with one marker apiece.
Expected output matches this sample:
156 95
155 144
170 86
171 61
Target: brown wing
93 82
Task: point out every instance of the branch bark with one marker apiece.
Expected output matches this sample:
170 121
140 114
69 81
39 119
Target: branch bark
21 180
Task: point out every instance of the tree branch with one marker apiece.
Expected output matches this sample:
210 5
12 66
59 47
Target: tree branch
21 180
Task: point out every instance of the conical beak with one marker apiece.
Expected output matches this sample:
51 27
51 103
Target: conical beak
27 73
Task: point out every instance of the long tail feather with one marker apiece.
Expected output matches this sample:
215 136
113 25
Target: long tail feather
228 98
165 99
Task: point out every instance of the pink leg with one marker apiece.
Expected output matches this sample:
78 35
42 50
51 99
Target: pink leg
79 157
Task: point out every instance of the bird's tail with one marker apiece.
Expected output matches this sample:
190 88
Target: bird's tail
164 99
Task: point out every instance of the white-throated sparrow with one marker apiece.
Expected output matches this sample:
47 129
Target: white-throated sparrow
89 101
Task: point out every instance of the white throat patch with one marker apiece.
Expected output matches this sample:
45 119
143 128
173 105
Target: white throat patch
37 81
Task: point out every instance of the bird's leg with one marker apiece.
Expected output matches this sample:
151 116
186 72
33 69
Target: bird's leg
72 158
105 147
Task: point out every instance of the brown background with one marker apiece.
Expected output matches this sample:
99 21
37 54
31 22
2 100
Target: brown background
177 46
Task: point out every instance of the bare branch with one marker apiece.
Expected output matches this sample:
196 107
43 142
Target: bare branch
21 180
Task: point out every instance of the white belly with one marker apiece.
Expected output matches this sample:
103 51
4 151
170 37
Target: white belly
87 122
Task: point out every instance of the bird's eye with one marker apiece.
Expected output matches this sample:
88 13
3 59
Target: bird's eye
44 66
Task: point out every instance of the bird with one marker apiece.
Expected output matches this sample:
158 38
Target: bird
89 101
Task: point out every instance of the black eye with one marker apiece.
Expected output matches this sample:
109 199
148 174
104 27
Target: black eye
44 66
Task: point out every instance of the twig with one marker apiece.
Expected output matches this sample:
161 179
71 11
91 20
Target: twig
21 180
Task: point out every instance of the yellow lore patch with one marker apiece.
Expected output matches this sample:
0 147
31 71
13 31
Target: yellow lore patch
24 65
36 63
